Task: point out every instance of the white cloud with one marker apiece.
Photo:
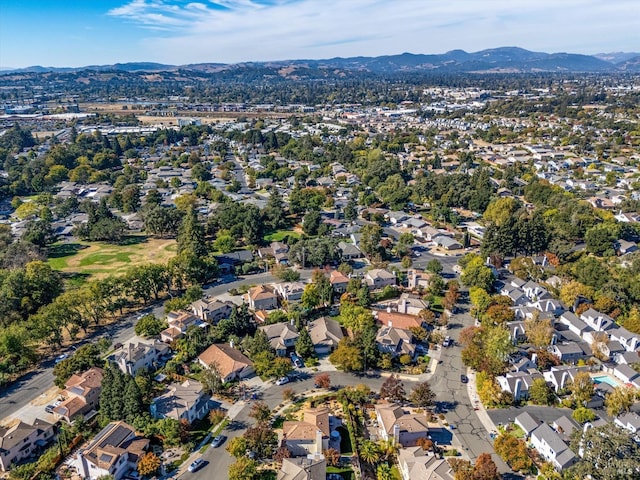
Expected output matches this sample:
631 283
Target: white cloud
243 30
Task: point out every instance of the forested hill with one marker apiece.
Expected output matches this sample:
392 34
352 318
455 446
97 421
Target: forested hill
503 59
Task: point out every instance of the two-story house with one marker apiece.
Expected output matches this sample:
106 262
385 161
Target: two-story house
132 357
339 281
230 362
325 334
115 451
290 291
82 394
21 440
517 383
311 435
211 311
404 428
303 468
415 463
179 322
282 336
379 278
181 401
551 447
395 341
262 298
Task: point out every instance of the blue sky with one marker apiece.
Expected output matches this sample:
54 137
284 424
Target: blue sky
89 32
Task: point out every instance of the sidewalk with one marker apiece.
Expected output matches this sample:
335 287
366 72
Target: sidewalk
475 400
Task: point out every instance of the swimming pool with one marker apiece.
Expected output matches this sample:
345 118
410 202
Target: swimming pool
606 379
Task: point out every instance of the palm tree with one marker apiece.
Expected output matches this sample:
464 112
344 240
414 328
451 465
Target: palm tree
388 448
370 452
383 472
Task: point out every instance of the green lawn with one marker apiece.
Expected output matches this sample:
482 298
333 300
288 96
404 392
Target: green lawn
345 472
100 259
280 235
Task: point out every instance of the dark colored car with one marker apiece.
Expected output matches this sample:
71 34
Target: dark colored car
464 379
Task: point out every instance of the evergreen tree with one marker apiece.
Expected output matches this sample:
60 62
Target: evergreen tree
304 344
274 211
132 405
106 393
191 236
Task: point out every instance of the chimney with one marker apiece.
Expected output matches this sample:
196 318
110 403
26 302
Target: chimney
318 441
231 343
292 322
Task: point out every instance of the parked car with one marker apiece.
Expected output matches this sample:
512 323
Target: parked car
447 341
282 380
217 441
196 465
464 379
49 408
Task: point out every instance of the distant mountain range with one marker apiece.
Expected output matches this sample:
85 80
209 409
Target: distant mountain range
495 60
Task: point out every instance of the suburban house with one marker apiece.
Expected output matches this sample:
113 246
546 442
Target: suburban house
574 324
113 452
262 298
568 352
551 447
517 383
179 322
339 281
211 311
379 278
517 331
629 341
411 304
625 373
282 336
21 440
290 291
349 251
527 422
131 357
596 320
405 428
418 279
303 468
325 334
277 250
395 341
561 376
82 394
414 462
446 242
181 401
397 320
311 435
516 295
629 421
231 363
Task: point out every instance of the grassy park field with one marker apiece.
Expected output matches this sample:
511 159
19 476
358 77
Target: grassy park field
98 260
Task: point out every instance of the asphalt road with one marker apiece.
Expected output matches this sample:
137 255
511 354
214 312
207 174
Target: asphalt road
218 460
452 395
35 383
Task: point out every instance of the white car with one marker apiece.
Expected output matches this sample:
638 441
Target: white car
282 380
62 357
